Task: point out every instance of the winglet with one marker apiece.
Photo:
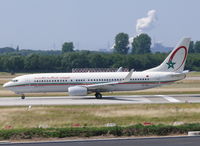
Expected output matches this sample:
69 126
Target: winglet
128 77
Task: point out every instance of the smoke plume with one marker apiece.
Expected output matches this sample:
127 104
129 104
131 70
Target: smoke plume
146 23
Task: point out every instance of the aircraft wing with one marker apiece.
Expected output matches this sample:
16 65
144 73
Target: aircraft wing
103 85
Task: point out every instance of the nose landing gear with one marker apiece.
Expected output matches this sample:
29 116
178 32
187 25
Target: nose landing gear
23 96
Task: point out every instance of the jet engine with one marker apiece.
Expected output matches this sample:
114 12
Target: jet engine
77 91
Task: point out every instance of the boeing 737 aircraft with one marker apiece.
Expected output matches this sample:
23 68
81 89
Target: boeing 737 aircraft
81 84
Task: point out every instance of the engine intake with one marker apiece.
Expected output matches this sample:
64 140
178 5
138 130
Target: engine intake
77 91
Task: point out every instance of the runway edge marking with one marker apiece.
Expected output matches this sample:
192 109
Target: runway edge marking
169 98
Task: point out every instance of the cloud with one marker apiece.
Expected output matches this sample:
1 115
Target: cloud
146 23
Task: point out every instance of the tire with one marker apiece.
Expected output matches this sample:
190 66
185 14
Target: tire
23 97
98 96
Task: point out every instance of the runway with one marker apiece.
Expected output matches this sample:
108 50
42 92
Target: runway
90 100
162 141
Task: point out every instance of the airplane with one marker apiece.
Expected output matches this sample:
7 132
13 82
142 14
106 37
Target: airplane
81 84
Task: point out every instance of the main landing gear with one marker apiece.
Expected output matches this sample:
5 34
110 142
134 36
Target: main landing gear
23 96
98 95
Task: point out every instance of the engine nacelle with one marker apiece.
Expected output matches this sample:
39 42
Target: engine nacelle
77 91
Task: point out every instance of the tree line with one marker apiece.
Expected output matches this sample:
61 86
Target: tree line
137 56
85 59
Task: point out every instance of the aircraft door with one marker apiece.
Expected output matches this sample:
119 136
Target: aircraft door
158 78
28 81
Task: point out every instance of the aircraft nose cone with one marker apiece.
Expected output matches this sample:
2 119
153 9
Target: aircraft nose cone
6 85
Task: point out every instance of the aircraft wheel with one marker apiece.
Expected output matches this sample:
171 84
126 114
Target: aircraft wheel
98 95
23 97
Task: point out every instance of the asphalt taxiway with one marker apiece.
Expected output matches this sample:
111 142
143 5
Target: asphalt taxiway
162 141
90 100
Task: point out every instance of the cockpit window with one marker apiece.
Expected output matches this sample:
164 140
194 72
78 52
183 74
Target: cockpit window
15 80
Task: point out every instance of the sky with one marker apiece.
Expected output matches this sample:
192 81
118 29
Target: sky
93 24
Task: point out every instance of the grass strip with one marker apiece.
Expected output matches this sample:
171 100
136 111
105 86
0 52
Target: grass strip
135 130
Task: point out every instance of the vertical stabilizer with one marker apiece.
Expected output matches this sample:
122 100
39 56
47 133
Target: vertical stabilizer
175 61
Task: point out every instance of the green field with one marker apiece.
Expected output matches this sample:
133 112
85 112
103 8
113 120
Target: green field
98 115
194 74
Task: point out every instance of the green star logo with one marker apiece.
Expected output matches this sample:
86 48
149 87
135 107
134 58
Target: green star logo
170 64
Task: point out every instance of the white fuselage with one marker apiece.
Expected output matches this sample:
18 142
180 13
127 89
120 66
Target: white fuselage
60 82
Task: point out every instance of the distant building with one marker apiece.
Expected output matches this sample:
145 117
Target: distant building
105 50
159 47
17 49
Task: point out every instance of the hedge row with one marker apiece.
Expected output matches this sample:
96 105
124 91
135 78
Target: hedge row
136 130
